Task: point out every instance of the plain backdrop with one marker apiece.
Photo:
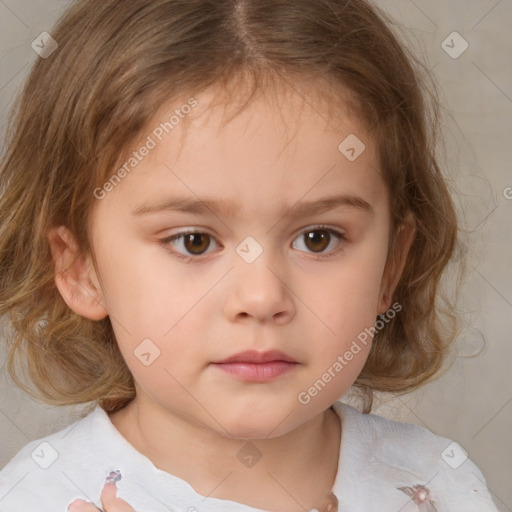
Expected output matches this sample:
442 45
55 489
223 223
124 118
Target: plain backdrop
472 402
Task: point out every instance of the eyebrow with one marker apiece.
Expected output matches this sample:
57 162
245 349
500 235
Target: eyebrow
228 208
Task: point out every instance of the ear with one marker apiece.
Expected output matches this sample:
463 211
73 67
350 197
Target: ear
75 276
396 262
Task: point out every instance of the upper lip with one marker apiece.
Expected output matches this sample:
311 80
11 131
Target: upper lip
253 356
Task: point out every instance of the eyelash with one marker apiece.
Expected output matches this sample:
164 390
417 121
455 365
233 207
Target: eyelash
165 242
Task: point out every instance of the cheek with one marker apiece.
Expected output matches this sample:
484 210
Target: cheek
164 366
350 294
156 311
144 292
348 303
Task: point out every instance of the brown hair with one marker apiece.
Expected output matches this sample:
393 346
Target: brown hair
116 64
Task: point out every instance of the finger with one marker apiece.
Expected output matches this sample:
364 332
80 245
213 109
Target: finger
110 501
82 506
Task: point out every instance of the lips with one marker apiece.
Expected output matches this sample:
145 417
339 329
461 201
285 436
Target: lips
255 357
253 366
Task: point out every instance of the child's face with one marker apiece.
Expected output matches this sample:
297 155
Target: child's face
219 302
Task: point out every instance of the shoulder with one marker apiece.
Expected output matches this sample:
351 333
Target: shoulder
405 455
41 474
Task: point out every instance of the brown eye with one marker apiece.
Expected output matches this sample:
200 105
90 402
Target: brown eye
188 244
320 240
317 240
196 243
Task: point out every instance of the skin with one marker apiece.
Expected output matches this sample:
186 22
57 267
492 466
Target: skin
109 501
190 418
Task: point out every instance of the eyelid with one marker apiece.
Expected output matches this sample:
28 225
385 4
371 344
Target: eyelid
313 227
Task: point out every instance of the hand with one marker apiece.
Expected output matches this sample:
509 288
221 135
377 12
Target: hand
109 502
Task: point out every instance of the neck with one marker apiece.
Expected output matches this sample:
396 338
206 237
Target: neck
288 473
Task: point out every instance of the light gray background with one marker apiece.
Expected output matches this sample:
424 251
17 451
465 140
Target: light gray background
472 403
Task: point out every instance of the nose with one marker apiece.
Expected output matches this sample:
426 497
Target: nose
260 291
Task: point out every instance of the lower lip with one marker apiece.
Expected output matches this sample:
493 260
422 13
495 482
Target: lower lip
257 372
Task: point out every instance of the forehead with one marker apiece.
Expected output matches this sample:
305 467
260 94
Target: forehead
282 145
293 100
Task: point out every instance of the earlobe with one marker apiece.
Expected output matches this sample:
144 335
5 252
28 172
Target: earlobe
75 276
396 262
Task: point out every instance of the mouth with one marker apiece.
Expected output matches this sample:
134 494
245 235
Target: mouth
253 366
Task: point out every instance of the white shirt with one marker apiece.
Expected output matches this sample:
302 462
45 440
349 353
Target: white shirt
377 458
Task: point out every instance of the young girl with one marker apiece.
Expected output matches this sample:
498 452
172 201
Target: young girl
218 217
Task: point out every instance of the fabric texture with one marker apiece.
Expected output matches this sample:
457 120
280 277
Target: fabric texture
384 465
